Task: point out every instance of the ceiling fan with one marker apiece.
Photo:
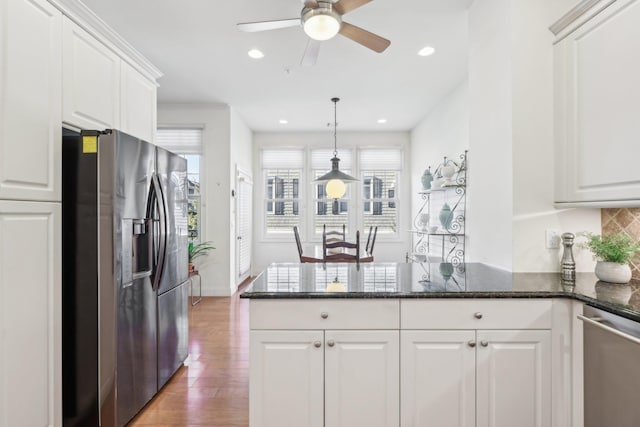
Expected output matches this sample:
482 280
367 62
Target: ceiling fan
322 20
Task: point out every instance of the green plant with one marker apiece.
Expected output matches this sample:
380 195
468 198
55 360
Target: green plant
199 250
617 247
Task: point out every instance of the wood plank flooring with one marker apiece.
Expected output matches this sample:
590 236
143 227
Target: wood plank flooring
212 389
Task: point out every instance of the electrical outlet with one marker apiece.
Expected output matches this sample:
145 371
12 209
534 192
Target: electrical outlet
552 239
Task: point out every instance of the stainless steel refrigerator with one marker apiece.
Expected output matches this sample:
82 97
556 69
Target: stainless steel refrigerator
125 275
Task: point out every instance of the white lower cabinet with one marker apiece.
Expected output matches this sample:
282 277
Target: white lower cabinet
30 314
476 378
286 380
513 378
438 378
324 378
461 377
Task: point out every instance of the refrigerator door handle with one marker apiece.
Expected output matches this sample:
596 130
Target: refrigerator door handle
157 201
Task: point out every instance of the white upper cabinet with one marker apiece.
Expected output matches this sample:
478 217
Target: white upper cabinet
138 104
91 80
597 88
30 90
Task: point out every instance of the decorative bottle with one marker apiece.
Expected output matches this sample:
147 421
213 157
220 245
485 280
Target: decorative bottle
427 178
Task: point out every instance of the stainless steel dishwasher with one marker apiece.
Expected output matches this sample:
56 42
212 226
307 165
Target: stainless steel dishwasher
611 370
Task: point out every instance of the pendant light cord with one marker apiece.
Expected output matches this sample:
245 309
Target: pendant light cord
335 126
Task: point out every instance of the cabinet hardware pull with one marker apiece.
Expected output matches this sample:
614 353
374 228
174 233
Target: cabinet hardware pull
478 315
472 343
331 343
317 344
324 314
484 343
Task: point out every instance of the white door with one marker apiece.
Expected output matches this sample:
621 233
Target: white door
438 378
244 189
286 379
30 314
514 378
30 91
362 378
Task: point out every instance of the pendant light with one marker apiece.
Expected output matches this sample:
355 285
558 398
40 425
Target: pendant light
335 179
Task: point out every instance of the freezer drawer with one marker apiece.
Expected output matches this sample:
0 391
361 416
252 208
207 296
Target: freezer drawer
173 331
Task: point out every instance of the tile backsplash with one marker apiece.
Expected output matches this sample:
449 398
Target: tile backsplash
624 220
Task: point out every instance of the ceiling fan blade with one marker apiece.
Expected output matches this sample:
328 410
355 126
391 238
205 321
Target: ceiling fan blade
310 53
311 4
345 6
251 27
364 37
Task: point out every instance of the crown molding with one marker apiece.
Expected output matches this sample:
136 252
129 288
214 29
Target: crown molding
79 13
579 14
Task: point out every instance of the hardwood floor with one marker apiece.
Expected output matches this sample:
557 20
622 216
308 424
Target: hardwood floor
212 389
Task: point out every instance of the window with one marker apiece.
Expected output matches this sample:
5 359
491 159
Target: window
327 211
282 175
380 173
187 142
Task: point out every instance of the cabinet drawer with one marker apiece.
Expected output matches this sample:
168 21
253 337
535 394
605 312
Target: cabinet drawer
476 314
324 314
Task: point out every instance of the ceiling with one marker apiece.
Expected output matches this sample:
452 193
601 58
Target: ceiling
203 56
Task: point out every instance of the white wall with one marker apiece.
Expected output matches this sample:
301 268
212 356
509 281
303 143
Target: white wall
533 143
216 186
490 174
511 177
241 158
444 132
267 251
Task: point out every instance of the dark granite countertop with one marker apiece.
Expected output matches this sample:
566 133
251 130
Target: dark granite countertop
437 280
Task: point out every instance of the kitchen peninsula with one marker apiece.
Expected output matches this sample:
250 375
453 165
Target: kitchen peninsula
388 344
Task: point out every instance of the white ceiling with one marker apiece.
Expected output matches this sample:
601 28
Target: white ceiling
203 56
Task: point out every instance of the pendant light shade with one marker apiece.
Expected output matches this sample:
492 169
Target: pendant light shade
335 179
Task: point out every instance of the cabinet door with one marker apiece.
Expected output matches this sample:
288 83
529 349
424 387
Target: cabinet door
362 378
514 378
137 104
91 80
597 90
438 378
30 316
286 379
30 107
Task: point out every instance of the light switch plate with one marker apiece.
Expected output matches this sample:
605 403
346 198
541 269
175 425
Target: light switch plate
552 239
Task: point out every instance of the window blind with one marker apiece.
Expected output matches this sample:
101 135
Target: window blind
381 159
321 159
180 140
282 159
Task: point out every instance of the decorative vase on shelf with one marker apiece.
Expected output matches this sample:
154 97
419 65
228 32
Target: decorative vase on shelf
447 173
613 272
427 178
446 216
424 221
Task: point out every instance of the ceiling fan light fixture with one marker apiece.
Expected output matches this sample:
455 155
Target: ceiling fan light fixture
321 23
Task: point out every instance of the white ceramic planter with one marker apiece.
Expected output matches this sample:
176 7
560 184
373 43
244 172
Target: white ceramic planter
613 272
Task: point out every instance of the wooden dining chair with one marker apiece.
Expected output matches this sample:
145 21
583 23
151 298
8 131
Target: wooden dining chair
342 256
371 241
334 235
303 258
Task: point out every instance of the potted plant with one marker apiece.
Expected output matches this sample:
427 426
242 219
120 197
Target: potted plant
613 253
198 250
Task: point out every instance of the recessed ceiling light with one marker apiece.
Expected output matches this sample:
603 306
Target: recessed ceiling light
255 54
426 51
382 121
283 121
